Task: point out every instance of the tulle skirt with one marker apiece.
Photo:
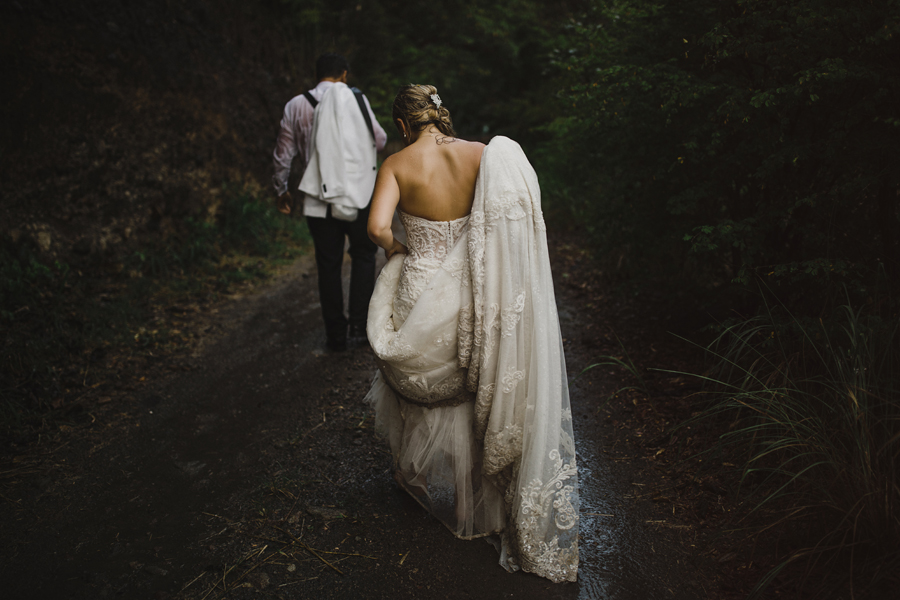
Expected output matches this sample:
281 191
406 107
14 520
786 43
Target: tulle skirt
438 462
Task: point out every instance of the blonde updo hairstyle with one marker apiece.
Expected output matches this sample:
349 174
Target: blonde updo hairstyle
414 106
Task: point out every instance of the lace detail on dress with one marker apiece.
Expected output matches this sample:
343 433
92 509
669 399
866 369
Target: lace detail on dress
511 379
429 243
449 392
483 401
459 268
504 447
464 336
541 501
509 316
431 240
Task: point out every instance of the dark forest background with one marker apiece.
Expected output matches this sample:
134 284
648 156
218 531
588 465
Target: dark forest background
745 150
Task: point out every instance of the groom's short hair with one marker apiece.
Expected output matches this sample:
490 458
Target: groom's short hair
331 65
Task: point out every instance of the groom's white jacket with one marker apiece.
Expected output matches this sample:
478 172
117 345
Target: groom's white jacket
342 164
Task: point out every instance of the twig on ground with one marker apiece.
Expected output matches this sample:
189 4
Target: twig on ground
194 580
290 512
298 581
669 525
310 431
226 572
311 550
214 535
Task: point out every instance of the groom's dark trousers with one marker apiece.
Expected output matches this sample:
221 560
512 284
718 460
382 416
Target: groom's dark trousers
328 236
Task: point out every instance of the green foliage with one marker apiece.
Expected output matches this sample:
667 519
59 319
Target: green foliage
761 132
490 60
813 418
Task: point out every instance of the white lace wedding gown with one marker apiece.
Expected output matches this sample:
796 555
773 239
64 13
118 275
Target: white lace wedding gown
471 390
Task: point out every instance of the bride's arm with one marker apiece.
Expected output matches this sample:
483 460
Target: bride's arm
384 203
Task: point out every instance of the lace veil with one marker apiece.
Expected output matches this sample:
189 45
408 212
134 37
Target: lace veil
517 368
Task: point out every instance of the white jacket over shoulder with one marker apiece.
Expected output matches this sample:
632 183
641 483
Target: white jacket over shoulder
342 163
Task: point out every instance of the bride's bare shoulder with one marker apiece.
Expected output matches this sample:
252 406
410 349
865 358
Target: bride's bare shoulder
474 150
475 146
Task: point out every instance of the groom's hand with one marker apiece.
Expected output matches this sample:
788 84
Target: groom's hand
284 203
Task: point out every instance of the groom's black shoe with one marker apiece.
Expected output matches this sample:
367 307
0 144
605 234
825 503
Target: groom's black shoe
357 337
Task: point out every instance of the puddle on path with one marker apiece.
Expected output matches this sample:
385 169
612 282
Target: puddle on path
623 557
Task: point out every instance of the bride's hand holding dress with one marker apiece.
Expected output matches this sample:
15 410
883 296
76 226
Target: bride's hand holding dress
396 248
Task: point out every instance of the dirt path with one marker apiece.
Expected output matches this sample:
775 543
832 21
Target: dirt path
258 467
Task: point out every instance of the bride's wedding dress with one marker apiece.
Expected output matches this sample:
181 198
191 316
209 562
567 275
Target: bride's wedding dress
471 390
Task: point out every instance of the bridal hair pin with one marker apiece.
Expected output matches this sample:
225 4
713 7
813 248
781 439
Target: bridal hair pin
437 100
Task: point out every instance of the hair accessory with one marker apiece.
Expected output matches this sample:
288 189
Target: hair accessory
437 100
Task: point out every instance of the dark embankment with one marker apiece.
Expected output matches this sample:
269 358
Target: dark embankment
134 142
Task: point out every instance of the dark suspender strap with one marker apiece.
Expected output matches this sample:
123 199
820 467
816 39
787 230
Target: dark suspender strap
365 113
312 100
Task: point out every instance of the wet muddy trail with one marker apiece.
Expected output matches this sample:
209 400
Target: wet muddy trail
252 471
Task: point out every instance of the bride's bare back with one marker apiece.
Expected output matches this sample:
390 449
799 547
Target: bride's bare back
436 176
432 178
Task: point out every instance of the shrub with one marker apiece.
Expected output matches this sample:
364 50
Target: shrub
813 418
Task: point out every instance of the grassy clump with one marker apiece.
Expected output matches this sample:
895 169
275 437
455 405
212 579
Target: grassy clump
813 419
243 226
61 322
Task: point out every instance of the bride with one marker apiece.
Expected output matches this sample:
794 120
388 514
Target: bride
471 390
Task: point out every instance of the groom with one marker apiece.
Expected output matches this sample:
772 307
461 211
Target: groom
334 131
